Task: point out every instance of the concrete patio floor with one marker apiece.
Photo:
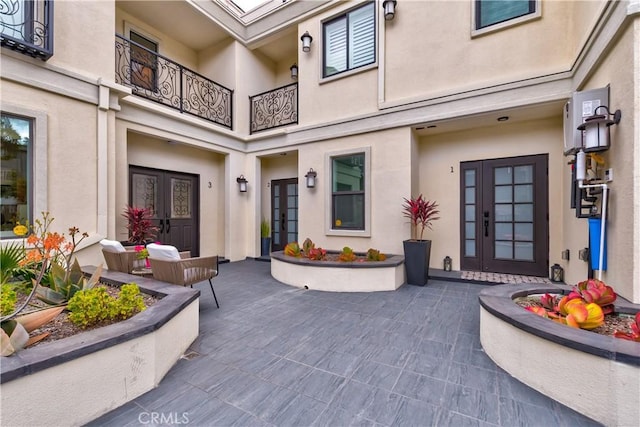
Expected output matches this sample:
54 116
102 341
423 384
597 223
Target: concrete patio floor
274 355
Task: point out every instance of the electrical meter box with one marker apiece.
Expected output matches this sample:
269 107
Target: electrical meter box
582 104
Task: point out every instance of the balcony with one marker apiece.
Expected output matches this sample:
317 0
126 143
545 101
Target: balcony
274 108
164 81
27 27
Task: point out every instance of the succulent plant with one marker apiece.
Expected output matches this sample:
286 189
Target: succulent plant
292 249
579 314
635 331
595 291
375 255
347 255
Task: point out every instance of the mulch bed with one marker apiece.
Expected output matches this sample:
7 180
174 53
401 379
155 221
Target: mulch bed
61 327
612 322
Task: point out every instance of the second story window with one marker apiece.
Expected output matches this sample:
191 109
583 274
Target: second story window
495 14
350 41
26 26
144 62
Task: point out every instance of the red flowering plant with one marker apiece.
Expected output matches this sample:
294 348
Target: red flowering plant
140 224
421 213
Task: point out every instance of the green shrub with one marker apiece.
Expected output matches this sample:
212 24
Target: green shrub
92 306
8 300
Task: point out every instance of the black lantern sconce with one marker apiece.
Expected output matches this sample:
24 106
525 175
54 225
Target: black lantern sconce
294 71
311 178
596 135
389 7
447 263
306 41
242 183
557 273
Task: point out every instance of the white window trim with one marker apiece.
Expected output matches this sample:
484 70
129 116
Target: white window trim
329 230
502 25
128 27
347 73
39 172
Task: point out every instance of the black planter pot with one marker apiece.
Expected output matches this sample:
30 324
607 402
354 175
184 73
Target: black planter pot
416 261
265 248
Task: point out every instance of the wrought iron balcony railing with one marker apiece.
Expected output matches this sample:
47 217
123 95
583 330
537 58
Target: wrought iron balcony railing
159 79
274 108
27 27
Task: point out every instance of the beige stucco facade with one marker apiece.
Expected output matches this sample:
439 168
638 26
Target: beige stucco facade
430 70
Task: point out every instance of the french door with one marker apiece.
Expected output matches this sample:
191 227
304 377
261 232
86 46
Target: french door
284 212
173 198
504 215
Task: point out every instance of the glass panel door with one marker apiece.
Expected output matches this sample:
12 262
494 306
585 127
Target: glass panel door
511 197
284 212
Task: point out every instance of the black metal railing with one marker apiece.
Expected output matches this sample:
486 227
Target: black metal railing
159 79
274 108
27 27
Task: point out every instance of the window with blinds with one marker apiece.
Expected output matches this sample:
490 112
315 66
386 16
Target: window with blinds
350 41
492 12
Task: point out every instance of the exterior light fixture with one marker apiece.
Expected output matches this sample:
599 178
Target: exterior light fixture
294 71
389 7
242 183
306 41
596 136
311 178
447 263
557 273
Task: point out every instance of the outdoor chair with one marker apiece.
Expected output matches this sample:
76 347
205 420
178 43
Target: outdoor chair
117 257
168 266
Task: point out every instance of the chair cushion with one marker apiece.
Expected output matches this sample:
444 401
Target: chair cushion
163 252
112 246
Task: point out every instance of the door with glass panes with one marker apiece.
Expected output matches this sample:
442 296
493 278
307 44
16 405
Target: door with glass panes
173 198
284 212
504 215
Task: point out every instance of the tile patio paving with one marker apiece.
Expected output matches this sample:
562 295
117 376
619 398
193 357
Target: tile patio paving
274 355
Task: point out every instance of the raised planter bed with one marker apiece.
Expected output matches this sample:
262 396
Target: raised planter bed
336 276
596 375
75 380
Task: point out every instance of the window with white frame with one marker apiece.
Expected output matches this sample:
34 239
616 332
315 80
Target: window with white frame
349 41
348 174
494 14
15 171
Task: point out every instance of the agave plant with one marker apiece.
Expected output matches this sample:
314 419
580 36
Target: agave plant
14 333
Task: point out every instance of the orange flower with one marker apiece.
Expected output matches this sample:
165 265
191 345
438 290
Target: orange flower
52 242
31 257
33 239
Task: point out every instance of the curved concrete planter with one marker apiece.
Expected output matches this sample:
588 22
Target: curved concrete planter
75 380
338 276
596 375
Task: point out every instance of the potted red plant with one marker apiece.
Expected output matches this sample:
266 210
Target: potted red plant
417 251
140 225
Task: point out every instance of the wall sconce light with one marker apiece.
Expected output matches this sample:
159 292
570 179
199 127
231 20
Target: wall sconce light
557 273
294 71
447 263
389 7
242 183
306 41
311 178
596 135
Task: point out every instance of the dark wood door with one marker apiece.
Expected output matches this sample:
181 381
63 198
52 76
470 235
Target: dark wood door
284 212
504 212
173 198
